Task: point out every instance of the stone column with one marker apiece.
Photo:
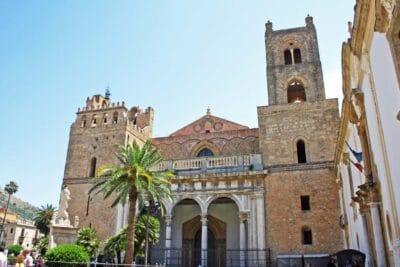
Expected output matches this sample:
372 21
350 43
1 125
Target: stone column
378 237
242 241
396 252
203 240
365 246
168 237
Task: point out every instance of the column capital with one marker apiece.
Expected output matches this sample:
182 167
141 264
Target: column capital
168 219
203 219
243 216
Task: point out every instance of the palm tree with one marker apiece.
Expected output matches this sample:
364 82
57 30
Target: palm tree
87 237
43 218
11 188
133 179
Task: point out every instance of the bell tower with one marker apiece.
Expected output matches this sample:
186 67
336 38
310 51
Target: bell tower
294 72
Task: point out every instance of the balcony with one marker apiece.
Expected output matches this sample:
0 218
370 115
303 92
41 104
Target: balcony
212 165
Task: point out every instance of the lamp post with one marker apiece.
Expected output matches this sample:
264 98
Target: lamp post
150 209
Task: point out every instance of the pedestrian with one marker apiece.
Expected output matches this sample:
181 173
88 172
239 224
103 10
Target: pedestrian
3 258
19 260
39 261
28 260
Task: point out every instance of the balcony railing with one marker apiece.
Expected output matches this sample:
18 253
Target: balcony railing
212 164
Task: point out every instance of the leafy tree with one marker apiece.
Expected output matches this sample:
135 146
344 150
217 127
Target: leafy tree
134 179
117 244
14 249
67 253
11 188
87 238
43 218
42 245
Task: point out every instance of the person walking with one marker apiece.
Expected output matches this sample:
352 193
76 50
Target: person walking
3 258
19 260
28 260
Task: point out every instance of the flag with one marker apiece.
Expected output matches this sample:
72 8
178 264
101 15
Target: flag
357 155
357 165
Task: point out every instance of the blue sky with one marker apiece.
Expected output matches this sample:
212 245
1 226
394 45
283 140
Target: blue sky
177 56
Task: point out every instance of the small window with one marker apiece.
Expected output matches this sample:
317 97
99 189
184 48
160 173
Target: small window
305 203
11 230
94 120
23 232
205 152
297 56
83 121
307 236
115 117
105 118
288 57
301 152
92 171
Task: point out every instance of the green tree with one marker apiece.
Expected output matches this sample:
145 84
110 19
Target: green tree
117 244
87 237
14 249
42 245
11 188
133 179
43 218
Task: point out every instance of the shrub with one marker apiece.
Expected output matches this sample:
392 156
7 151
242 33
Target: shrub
67 253
87 238
14 249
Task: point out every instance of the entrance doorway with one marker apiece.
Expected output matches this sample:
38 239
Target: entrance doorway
216 242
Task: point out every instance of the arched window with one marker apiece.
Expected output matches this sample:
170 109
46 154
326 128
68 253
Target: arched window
92 171
296 92
301 152
205 152
105 118
288 57
115 117
297 56
83 121
94 120
306 235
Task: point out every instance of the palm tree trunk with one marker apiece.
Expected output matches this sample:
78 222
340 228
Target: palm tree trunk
131 226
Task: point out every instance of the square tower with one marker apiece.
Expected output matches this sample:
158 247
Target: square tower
294 70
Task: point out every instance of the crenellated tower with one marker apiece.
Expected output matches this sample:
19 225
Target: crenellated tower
99 129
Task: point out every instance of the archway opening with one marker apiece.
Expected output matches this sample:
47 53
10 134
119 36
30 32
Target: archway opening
288 57
301 152
297 56
296 92
205 152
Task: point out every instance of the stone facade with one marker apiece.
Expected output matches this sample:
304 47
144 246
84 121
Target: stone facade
236 189
99 129
370 202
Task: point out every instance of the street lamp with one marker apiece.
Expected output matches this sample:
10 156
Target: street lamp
150 209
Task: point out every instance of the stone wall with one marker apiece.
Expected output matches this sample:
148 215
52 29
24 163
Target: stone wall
281 126
285 219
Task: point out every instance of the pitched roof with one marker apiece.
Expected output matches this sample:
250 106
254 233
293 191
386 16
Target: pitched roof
209 124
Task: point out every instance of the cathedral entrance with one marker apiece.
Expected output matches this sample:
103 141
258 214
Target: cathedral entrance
216 242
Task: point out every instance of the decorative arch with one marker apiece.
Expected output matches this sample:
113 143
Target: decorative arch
235 198
204 144
176 201
295 89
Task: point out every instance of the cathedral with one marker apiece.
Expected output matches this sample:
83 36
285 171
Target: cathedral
242 196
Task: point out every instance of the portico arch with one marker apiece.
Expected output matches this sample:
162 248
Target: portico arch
234 198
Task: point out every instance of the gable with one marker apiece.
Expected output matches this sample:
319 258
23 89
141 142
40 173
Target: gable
209 124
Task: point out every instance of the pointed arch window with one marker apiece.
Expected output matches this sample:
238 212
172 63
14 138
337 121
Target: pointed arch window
92 171
288 57
205 152
297 56
301 152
